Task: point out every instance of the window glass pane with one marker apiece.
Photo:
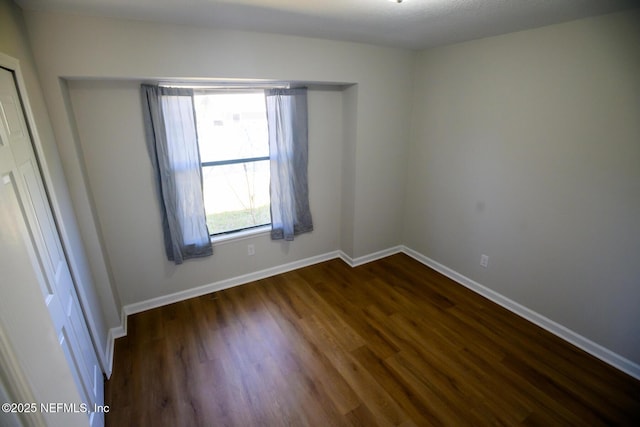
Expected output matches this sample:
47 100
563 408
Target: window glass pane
231 125
236 196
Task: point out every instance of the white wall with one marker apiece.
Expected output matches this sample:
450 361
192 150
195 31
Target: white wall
378 108
101 309
526 147
349 138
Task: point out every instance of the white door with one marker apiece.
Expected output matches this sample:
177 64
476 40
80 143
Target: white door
19 168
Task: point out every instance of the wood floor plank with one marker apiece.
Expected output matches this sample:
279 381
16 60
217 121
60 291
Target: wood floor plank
349 311
390 381
323 310
391 342
361 381
306 399
307 357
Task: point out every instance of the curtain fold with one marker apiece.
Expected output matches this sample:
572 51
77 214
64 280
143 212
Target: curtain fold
288 150
172 142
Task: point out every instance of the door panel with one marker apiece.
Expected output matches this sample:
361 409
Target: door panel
52 260
10 113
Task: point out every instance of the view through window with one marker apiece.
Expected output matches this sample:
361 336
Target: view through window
234 151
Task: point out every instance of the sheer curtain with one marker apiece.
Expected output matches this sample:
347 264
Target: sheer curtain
172 141
288 149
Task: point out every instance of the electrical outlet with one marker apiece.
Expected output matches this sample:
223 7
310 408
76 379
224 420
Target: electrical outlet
251 250
484 260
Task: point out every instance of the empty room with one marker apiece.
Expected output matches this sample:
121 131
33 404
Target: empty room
319 213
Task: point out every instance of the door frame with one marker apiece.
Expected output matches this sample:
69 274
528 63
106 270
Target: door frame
13 64
16 383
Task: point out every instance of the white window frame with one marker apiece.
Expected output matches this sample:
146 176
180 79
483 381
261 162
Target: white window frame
242 233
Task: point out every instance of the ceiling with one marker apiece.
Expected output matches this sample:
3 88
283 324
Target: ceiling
413 24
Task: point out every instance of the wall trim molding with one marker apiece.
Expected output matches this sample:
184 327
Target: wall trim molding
355 262
617 361
594 349
114 333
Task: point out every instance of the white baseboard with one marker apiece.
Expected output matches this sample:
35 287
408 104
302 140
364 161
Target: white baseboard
355 262
114 334
566 334
596 350
111 340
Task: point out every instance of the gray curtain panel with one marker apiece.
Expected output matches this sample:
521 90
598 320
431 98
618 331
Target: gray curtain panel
172 141
288 150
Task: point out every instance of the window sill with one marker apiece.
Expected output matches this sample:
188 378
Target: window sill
240 235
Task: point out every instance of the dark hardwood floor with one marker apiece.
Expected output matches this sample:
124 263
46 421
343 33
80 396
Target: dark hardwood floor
388 343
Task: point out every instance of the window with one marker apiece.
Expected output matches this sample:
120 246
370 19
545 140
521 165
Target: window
234 151
244 186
